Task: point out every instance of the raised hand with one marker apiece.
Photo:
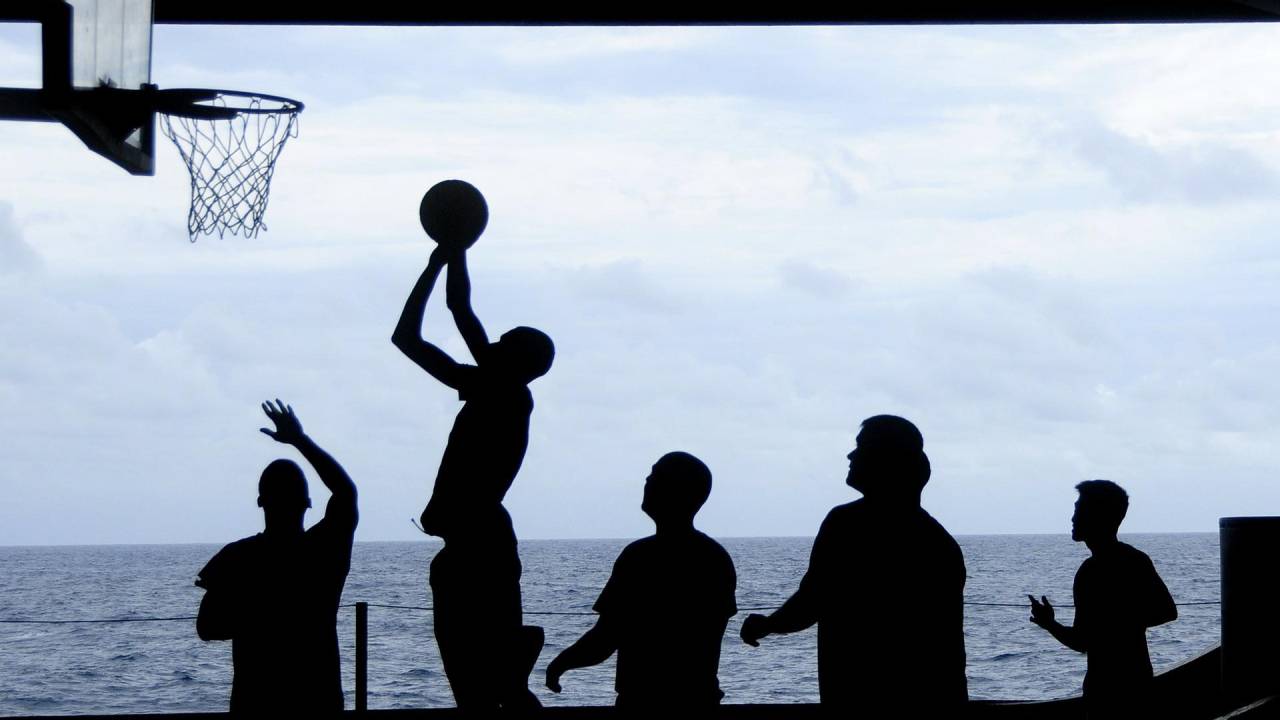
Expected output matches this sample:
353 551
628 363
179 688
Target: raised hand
1041 611
288 429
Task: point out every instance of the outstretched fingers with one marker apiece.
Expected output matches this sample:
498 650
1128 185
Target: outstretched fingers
287 427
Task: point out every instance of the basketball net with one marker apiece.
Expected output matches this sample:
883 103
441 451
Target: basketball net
231 156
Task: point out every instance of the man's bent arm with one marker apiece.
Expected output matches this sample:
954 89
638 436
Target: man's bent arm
342 497
1067 635
799 612
1163 609
408 333
458 297
214 622
594 647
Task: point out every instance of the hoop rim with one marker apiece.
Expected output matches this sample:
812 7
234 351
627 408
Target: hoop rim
186 102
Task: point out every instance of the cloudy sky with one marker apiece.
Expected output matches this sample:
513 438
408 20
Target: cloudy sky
1053 248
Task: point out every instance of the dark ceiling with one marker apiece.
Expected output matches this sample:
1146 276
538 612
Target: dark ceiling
420 12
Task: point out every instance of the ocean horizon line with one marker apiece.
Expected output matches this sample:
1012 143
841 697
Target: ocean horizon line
437 541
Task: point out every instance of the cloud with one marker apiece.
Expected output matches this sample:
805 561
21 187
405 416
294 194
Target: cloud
1197 172
820 282
626 283
16 256
742 241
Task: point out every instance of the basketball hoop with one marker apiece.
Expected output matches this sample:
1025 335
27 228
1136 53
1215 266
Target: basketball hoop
230 142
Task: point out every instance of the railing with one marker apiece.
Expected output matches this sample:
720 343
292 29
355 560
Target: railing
362 629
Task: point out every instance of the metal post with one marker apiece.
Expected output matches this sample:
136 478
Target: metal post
55 41
1250 547
362 656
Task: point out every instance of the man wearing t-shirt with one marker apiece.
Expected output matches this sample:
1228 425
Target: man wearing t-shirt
665 608
275 595
1118 595
486 650
885 586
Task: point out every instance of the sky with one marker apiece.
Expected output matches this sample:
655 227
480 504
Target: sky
1053 248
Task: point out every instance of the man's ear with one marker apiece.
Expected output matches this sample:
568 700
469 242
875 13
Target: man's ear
259 501
308 502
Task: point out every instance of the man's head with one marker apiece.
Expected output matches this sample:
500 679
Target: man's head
282 494
676 488
525 353
1099 510
889 459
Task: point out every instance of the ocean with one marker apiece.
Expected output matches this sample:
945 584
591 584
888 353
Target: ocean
161 666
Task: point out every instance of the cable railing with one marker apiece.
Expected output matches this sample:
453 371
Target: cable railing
362 627
69 621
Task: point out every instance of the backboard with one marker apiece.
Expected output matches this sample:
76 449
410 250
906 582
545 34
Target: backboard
107 44
96 74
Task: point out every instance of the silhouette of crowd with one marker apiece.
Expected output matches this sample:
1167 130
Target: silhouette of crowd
884 584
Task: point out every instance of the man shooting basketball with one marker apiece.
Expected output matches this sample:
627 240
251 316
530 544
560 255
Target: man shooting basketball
475 578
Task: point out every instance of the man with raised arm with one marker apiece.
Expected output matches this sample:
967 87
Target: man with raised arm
275 595
1118 595
666 605
885 586
475 577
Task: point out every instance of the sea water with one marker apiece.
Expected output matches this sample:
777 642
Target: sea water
161 666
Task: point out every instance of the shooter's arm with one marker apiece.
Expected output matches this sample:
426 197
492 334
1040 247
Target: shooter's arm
408 332
458 298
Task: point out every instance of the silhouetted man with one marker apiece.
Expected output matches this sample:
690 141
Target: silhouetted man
665 607
475 578
1118 595
275 595
885 585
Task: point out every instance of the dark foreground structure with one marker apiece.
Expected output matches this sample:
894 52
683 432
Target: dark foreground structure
1190 691
306 12
1186 692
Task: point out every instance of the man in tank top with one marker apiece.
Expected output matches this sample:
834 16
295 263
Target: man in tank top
475 578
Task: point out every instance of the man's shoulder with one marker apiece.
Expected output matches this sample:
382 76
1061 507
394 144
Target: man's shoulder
229 559
241 546
328 528
1122 560
848 512
712 547
696 548
638 549
1132 557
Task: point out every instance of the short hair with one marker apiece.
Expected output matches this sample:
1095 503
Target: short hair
282 481
533 348
1107 499
897 445
688 478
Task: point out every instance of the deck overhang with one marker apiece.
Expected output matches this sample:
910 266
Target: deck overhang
872 12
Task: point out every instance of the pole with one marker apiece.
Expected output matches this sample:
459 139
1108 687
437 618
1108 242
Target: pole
362 656
1250 624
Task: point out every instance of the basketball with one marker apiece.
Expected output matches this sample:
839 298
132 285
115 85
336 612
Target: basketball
454 213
